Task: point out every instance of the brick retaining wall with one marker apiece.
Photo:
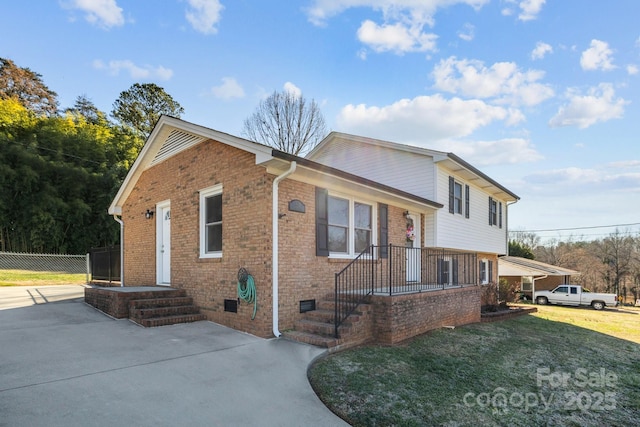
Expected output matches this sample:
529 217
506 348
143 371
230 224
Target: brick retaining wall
400 317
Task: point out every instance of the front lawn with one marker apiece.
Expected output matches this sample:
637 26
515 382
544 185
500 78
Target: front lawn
560 366
40 278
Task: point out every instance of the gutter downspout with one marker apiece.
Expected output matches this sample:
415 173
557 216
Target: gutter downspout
119 221
274 250
506 220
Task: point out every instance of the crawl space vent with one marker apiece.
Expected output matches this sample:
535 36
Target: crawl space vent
307 305
231 305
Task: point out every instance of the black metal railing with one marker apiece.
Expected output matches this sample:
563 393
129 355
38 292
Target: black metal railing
392 270
105 263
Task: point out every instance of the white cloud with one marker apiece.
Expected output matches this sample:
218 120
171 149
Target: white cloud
413 10
507 11
467 33
437 123
203 15
530 9
632 69
136 72
598 105
292 89
499 152
423 119
541 50
229 89
602 178
597 57
625 164
103 13
403 21
503 81
397 37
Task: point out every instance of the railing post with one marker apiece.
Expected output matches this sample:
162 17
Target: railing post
335 319
390 267
373 268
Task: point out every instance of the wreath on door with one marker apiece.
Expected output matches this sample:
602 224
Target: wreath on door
411 235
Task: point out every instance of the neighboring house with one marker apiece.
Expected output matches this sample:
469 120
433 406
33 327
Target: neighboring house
475 213
198 205
526 276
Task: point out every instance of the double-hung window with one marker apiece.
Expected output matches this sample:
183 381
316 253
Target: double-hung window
486 271
495 212
211 222
457 198
350 226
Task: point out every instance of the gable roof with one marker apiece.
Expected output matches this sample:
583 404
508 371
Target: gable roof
517 266
171 136
448 160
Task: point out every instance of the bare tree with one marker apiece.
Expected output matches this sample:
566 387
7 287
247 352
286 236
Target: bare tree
616 254
286 122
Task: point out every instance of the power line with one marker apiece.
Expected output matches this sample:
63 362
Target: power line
575 228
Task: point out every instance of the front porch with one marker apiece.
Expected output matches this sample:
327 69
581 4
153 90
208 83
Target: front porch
391 293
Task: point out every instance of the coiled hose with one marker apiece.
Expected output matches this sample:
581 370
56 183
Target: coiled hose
247 289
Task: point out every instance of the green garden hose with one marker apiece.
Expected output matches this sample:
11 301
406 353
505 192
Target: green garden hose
247 289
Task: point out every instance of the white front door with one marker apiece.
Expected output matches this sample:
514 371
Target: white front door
163 233
413 248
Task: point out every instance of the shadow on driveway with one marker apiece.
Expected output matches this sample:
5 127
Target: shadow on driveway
65 364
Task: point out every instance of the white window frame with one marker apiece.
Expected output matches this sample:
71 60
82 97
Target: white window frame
460 208
528 282
484 271
204 194
494 212
351 228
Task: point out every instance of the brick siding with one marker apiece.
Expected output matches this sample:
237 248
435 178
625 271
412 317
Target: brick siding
400 317
246 238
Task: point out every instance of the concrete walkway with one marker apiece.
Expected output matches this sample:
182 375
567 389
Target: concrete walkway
62 363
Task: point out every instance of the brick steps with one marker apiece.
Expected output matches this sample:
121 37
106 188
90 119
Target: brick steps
317 327
169 309
170 320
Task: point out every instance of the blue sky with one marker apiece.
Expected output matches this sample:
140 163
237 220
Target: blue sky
540 95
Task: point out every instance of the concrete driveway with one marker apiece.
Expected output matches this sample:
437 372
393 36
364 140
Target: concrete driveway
62 363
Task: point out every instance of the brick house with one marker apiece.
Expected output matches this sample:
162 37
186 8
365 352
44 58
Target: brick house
475 213
198 205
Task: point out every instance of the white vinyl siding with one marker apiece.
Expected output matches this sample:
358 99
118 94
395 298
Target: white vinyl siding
469 234
405 171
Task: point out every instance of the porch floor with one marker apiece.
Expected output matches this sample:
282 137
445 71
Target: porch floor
412 288
136 288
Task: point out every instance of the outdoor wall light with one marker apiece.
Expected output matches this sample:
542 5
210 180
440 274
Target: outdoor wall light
148 214
405 213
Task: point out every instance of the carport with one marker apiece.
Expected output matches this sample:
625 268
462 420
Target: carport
530 275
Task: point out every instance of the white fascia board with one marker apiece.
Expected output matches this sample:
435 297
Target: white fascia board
345 186
158 137
334 136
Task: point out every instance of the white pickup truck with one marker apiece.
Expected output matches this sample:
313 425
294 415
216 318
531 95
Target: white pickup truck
575 295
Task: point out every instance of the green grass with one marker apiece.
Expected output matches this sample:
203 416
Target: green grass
40 278
437 379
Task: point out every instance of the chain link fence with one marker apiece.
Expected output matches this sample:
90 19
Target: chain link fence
43 265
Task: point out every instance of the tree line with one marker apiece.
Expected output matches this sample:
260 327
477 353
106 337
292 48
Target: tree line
60 168
610 264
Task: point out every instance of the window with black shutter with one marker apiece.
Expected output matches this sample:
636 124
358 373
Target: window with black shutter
322 222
